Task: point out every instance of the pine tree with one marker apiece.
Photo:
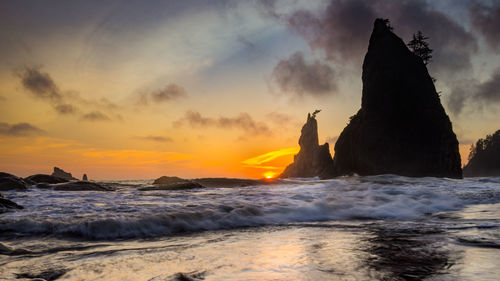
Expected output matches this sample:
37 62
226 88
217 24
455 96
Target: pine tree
420 47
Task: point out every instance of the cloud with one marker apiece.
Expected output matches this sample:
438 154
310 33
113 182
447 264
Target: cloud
243 121
489 91
479 94
487 20
65 108
95 116
156 138
341 30
297 77
40 84
19 129
267 157
168 93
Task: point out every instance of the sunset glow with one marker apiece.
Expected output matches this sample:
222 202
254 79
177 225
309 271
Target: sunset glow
217 89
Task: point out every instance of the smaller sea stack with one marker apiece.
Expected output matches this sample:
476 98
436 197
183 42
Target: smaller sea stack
313 160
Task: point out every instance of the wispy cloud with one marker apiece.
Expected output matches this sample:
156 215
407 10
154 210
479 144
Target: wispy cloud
169 93
40 85
95 116
243 121
295 76
156 138
19 129
257 161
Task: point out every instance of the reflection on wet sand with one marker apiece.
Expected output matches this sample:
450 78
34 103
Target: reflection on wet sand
413 254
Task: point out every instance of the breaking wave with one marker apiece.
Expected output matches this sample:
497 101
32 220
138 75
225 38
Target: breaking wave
131 213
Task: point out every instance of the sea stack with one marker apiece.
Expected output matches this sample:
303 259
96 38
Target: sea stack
401 128
60 173
313 160
85 177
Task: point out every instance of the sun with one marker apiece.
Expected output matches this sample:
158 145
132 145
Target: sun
269 175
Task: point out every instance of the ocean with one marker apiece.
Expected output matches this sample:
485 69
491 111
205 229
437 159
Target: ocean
383 227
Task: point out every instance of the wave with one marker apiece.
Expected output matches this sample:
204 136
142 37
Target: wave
147 214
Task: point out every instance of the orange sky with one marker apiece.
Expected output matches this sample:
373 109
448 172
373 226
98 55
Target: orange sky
122 90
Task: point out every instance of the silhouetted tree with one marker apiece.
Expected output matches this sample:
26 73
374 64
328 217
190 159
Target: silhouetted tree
484 156
420 47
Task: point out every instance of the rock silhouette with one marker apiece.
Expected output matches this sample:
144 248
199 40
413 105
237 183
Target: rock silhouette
313 160
42 178
6 204
85 177
484 158
76 186
401 128
60 173
11 182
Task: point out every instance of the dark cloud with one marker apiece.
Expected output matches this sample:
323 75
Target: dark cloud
40 84
298 77
168 93
156 138
65 108
477 94
243 121
489 91
95 116
19 129
486 19
342 30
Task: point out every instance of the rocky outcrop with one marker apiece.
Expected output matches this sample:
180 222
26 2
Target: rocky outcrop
402 127
313 160
173 186
76 186
10 182
85 177
42 178
6 205
484 158
168 180
60 173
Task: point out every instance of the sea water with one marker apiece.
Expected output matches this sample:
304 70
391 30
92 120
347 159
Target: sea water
383 227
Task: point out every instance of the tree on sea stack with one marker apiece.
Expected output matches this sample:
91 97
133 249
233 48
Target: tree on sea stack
420 47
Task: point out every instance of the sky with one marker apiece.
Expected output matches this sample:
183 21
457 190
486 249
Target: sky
141 89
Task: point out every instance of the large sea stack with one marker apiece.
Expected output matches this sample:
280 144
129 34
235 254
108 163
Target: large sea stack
313 160
402 127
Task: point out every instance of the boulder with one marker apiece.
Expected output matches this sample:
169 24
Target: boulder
168 180
42 178
484 157
313 160
401 128
60 173
10 182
